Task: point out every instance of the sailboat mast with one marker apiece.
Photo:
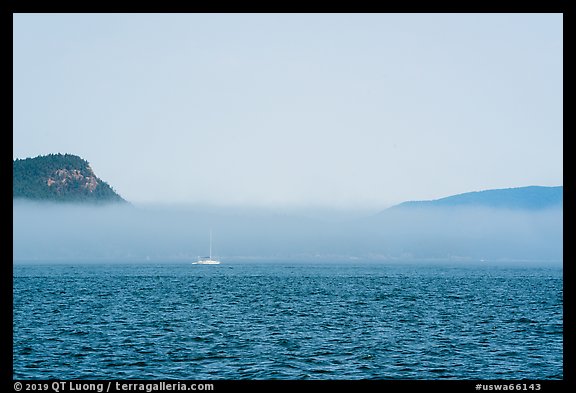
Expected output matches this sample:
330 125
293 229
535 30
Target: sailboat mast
210 243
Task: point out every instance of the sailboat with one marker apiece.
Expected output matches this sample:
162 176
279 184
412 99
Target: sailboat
207 260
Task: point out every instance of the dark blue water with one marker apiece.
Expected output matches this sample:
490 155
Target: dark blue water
282 321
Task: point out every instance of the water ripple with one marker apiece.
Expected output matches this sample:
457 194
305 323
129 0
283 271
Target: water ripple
286 322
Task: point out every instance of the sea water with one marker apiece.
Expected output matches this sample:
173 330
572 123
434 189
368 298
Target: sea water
287 321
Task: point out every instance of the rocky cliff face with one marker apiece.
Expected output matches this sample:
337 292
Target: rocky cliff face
63 177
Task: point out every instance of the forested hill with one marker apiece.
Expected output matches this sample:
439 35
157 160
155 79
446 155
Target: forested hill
521 198
60 178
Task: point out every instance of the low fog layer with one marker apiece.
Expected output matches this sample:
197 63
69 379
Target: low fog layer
52 232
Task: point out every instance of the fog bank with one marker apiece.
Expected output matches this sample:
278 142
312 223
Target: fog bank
56 232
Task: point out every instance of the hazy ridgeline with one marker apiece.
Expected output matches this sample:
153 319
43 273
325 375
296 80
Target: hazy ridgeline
56 232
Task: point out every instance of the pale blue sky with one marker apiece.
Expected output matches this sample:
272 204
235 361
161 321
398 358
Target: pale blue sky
333 110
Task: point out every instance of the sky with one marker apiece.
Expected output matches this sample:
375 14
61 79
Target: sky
344 111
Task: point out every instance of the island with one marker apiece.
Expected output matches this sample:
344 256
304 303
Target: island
60 178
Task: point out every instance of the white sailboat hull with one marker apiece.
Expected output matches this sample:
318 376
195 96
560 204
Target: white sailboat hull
206 262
